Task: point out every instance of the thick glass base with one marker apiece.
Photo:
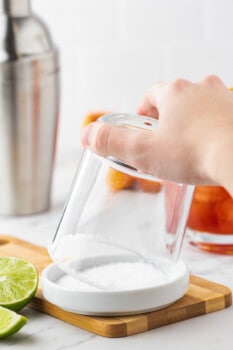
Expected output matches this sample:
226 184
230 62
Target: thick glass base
212 242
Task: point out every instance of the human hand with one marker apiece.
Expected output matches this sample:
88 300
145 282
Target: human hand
193 138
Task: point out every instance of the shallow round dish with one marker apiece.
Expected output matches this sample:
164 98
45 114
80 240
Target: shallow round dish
67 293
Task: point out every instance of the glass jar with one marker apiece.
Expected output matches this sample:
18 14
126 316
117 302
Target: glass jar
210 221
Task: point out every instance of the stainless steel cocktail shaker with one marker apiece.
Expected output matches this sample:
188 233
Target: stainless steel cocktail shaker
29 96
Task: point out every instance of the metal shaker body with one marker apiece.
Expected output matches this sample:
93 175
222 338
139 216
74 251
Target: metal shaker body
29 99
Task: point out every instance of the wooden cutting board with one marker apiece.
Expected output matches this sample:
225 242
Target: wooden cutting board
202 297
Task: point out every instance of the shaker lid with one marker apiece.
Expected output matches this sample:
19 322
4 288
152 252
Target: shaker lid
23 35
15 8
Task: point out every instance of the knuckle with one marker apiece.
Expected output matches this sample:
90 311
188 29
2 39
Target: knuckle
212 80
178 84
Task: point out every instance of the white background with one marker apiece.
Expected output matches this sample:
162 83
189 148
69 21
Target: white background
113 50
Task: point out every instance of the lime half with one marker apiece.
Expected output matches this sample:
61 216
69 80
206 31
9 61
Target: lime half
18 282
10 322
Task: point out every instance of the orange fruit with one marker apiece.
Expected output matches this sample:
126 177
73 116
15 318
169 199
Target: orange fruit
118 180
92 117
149 186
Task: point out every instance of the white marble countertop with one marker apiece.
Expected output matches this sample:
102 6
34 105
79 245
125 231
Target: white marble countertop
212 331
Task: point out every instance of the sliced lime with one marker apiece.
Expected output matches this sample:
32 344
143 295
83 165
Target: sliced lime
10 322
18 282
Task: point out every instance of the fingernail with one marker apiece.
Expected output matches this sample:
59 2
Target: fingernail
86 135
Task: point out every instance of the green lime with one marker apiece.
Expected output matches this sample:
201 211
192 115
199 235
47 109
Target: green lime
18 282
10 322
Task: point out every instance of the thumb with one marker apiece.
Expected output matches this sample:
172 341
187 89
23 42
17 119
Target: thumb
132 146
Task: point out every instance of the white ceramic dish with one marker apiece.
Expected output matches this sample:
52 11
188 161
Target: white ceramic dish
92 301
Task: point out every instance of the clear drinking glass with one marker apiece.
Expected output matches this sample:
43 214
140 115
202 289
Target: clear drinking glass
116 249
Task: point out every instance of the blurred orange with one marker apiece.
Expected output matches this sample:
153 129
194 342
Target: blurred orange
118 180
92 117
149 186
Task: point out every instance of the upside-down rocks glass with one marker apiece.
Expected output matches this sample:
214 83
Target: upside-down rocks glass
116 249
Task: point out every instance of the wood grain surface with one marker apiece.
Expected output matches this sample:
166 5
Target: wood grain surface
202 297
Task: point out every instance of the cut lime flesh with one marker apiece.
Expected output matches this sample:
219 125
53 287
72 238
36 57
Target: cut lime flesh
18 282
10 322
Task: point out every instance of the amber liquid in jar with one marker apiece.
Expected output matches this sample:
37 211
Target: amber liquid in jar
211 215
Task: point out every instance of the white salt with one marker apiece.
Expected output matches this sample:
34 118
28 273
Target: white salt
124 275
118 276
71 283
